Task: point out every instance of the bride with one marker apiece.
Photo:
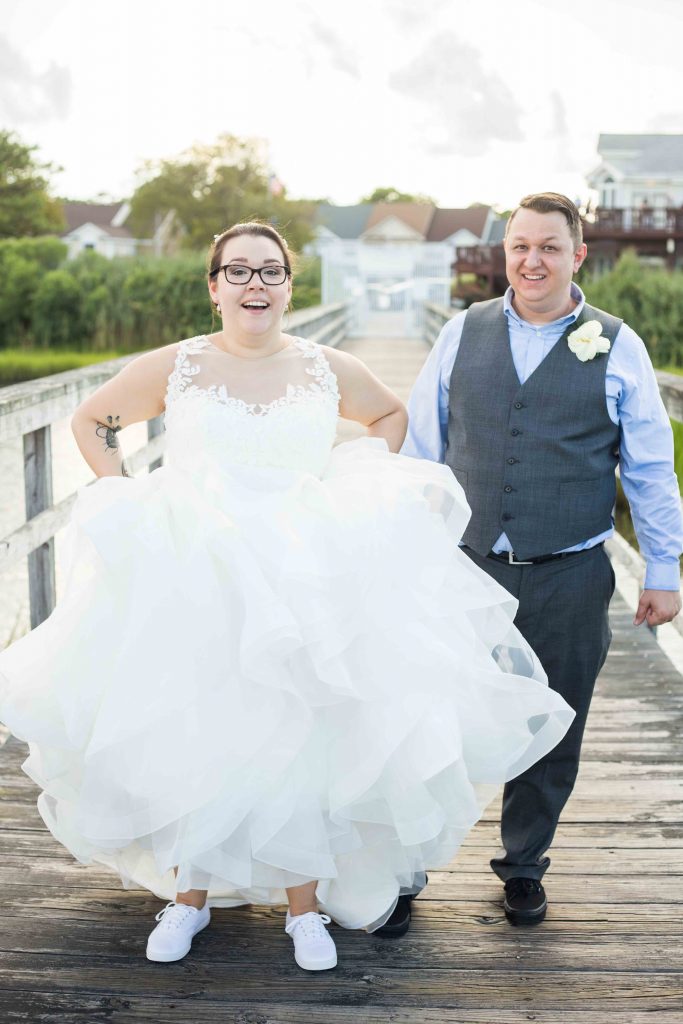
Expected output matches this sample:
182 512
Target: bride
273 676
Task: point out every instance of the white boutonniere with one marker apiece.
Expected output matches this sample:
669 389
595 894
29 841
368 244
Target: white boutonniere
587 341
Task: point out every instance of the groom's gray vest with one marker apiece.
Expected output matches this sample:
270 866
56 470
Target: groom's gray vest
536 460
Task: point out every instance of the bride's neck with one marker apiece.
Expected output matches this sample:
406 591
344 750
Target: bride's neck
249 346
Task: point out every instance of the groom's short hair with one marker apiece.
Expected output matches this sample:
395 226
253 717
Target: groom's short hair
552 202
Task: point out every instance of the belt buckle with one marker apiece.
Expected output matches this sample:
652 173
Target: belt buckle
512 560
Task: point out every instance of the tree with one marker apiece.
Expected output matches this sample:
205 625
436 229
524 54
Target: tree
26 208
208 188
392 195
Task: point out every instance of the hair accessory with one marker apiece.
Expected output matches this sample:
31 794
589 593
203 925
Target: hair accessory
215 237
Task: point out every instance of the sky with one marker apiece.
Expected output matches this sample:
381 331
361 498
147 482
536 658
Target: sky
466 102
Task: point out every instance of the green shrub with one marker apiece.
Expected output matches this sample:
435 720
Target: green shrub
650 301
95 304
57 310
47 251
307 283
19 281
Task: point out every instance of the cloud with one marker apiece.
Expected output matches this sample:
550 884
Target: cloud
27 95
340 55
411 16
468 106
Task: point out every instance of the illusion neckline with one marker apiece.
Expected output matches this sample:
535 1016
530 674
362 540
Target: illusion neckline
250 359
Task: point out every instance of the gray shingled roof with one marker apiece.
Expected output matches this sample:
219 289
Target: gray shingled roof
345 221
447 221
650 155
100 214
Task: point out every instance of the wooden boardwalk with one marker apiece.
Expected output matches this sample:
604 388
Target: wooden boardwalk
72 941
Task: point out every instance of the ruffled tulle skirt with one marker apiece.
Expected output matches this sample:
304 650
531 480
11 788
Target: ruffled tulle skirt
265 677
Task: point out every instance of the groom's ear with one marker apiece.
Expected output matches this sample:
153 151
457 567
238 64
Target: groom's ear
580 255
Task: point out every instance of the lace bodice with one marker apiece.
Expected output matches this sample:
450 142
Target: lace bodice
280 411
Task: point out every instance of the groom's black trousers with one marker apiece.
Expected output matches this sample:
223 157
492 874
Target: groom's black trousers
563 615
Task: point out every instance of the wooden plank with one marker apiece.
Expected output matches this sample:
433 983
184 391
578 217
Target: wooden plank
46 1007
571 888
429 943
38 496
611 991
112 903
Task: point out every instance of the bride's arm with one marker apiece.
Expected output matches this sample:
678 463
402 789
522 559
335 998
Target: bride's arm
135 394
365 399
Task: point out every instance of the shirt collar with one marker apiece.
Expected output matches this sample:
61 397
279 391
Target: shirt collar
576 294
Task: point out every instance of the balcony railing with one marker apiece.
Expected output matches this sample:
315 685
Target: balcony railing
480 259
642 219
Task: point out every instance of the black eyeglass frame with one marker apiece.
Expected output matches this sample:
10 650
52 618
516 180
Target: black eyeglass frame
253 270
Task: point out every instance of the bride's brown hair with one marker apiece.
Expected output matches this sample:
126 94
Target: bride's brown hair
251 227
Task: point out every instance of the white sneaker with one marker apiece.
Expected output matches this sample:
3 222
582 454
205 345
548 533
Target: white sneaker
314 949
178 925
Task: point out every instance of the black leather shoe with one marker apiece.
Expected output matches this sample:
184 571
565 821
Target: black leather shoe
399 922
525 902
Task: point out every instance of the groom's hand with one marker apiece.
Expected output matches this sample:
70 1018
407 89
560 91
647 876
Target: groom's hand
657 606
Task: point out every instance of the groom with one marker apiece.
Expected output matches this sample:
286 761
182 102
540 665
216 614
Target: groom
533 400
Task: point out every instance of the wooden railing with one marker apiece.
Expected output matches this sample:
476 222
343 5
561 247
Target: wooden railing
645 219
28 410
435 317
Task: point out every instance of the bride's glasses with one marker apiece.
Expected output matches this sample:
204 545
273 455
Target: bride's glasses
237 273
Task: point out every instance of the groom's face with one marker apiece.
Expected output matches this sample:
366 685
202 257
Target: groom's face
540 260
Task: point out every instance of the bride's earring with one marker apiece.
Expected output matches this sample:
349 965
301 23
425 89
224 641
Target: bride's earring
218 307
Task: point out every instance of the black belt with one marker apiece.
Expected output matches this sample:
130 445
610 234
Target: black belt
509 557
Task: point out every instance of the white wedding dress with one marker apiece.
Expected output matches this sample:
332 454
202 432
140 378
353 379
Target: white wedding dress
272 662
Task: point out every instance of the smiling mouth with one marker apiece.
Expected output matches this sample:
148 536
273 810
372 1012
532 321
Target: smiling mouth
534 277
255 305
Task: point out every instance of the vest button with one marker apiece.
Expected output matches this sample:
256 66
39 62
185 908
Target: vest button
511 462
506 517
507 489
515 432
518 405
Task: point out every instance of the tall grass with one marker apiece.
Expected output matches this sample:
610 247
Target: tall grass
17 365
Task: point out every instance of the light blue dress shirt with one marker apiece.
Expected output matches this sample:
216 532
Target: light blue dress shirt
633 402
